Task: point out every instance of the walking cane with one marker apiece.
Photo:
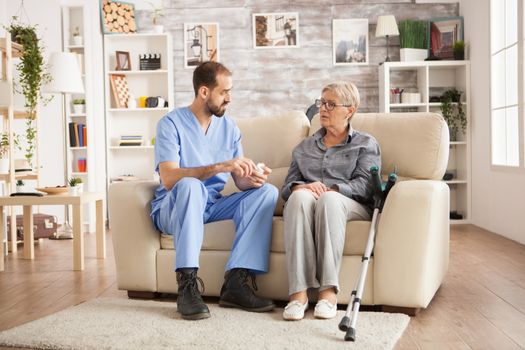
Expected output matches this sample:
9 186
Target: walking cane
349 320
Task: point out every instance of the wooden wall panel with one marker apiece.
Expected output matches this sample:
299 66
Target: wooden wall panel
269 81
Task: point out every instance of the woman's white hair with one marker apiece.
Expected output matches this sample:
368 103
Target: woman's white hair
347 93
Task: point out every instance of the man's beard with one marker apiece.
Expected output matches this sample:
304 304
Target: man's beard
216 110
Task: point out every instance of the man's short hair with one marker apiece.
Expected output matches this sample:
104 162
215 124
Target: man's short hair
206 75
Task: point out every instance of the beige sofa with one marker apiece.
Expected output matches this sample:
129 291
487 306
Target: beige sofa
412 244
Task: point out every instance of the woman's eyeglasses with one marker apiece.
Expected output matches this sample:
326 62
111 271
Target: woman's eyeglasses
329 105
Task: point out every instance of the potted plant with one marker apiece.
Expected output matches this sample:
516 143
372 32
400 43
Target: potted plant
453 112
413 40
20 186
459 50
4 153
76 186
79 106
33 75
156 14
77 38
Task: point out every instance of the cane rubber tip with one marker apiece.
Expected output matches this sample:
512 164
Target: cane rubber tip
350 334
343 325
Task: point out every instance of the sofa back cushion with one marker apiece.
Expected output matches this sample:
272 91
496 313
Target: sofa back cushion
271 140
416 144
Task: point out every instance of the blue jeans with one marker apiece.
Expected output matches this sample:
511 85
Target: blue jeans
184 212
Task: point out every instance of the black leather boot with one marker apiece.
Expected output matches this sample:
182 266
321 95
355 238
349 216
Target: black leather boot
236 292
189 300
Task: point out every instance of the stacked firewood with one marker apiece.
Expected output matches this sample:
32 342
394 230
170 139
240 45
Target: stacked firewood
119 17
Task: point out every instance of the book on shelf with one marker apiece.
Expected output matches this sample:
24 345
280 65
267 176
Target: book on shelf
80 135
84 135
77 135
130 140
131 137
72 138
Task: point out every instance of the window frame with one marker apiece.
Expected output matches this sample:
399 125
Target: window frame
521 85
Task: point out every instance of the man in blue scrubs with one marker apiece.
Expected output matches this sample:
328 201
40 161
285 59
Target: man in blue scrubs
196 149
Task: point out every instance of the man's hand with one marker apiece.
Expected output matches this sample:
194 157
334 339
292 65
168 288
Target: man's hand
317 188
239 167
255 180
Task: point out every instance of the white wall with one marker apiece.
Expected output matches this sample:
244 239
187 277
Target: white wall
498 196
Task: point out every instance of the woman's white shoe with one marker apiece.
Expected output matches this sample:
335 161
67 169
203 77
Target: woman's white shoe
325 309
294 311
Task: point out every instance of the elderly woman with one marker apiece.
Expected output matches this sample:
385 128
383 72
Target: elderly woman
328 184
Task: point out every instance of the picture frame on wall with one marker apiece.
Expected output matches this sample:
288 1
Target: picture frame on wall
123 60
350 42
118 17
444 32
275 30
201 43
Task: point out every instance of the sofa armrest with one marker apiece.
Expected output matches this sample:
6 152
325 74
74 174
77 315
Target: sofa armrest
412 244
135 240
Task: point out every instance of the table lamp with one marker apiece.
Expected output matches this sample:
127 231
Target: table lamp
66 79
386 26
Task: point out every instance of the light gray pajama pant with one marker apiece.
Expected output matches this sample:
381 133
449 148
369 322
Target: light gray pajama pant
314 235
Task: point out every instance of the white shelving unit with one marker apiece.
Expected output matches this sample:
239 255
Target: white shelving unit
136 161
75 17
12 116
430 79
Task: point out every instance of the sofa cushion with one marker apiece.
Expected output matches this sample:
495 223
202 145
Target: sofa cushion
410 142
271 139
219 236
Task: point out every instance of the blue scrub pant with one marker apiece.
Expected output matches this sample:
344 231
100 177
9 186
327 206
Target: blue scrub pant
185 210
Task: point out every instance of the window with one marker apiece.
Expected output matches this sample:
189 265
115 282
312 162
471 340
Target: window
506 103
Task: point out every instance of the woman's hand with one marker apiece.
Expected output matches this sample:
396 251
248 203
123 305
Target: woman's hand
317 188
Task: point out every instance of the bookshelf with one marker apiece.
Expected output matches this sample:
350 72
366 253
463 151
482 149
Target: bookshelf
430 79
135 160
73 22
84 159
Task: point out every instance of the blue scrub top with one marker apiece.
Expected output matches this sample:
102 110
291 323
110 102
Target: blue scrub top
181 139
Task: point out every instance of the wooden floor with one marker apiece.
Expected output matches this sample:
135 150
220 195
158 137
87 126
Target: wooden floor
481 304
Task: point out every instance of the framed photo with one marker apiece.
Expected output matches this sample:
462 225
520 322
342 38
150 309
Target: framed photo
201 43
271 30
123 60
444 32
120 90
117 17
350 41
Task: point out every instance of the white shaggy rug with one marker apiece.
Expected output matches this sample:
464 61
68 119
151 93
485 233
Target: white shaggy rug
136 324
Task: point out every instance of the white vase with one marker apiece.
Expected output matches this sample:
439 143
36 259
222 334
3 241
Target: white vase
4 165
77 40
78 109
21 188
408 55
158 28
80 188
73 191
